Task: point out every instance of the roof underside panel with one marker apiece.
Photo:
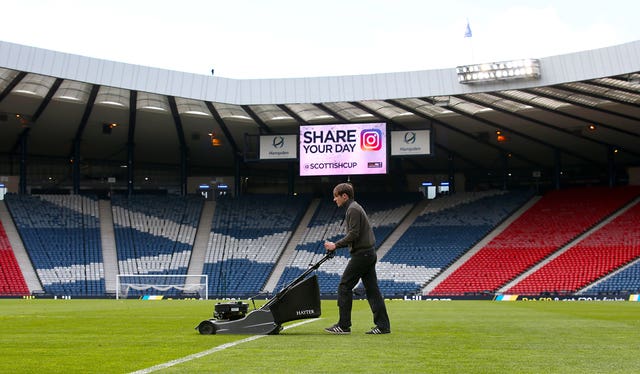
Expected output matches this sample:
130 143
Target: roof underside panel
580 115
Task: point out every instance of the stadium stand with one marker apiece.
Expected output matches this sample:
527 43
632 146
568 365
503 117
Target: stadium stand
610 247
623 281
446 229
384 211
12 282
247 237
154 234
551 223
62 236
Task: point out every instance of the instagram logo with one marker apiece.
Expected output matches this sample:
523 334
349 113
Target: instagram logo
371 140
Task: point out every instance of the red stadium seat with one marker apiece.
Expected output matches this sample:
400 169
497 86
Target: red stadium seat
12 282
555 220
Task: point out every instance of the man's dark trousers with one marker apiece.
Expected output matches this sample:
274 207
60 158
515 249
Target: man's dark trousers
362 266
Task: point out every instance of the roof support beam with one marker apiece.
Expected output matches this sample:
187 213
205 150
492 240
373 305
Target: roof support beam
533 120
597 95
236 151
598 83
7 90
32 120
224 128
447 150
534 91
397 125
263 126
449 127
184 150
131 145
458 155
47 99
77 140
516 132
292 114
333 113
392 102
565 131
22 139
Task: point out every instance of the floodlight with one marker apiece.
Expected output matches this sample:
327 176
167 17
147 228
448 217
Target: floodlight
497 71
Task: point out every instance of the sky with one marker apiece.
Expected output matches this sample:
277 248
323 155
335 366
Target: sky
256 39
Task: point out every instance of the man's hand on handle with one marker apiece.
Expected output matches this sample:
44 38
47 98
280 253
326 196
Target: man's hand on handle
330 246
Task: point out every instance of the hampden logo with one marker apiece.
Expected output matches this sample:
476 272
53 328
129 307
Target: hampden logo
278 142
409 137
371 140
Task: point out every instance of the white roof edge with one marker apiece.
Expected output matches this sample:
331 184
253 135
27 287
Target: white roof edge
597 63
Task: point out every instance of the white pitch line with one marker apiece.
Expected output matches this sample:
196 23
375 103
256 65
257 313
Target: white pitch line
210 351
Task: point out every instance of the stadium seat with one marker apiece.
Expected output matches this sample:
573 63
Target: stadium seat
556 219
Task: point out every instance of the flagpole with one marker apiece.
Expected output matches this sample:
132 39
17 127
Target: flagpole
469 35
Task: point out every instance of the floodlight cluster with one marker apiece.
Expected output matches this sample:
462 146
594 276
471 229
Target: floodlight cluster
495 71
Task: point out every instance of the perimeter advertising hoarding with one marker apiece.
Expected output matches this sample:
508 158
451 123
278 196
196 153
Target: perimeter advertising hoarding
278 147
345 149
410 143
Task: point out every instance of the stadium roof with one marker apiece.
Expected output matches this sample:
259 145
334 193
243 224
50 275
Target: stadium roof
582 113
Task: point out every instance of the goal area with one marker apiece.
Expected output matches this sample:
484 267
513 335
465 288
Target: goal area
162 286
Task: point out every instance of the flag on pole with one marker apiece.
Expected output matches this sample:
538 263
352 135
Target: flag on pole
467 31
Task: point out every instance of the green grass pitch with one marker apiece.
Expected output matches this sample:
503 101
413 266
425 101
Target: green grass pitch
122 336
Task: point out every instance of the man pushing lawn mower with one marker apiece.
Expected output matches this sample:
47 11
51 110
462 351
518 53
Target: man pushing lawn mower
362 265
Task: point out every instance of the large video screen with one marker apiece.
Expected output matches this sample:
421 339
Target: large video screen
345 149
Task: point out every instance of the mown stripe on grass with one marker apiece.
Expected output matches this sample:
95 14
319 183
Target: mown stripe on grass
211 351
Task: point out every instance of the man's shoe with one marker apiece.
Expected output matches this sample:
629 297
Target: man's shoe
376 330
337 330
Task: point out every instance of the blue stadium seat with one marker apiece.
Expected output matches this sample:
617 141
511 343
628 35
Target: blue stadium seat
61 233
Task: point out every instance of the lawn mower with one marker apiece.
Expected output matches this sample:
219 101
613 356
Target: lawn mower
300 299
